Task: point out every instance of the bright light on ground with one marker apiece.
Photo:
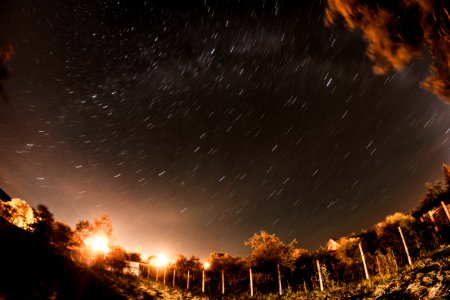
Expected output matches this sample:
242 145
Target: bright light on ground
97 243
160 261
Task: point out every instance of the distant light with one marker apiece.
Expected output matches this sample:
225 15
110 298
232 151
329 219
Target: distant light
98 243
206 265
160 261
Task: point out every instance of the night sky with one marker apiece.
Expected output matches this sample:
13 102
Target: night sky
195 124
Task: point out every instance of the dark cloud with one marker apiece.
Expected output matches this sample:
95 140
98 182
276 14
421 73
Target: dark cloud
398 32
6 51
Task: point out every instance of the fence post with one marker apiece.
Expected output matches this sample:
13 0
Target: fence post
187 285
203 281
430 213
446 210
379 266
364 261
251 282
320 275
173 278
280 289
404 244
223 282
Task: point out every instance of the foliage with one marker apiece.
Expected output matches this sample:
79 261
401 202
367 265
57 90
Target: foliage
31 269
46 229
351 267
234 269
84 229
17 212
268 251
43 222
133 256
434 192
224 261
183 263
392 222
437 192
61 235
116 259
102 225
386 262
399 32
428 278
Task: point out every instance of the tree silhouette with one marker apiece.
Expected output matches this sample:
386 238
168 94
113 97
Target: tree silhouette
61 236
85 229
185 266
116 259
269 254
231 266
43 223
47 230
268 251
133 256
437 192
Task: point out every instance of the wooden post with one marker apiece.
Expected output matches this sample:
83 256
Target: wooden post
320 275
396 265
280 289
148 271
203 281
446 210
187 285
430 213
378 264
223 282
173 278
364 261
157 274
164 280
251 282
404 244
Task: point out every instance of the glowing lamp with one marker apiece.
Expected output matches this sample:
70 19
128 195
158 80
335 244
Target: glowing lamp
98 243
161 260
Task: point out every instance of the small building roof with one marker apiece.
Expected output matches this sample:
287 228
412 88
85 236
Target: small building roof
332 245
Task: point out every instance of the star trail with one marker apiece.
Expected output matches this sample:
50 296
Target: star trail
194 124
